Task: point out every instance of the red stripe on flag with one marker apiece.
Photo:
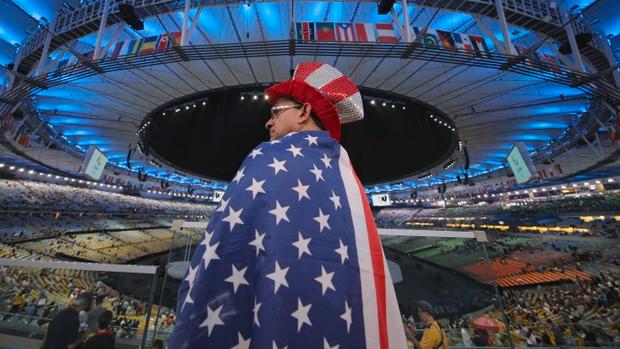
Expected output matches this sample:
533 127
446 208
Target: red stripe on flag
361 31
378 268
339 89
304 70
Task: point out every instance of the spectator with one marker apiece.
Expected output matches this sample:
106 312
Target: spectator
158 344
93 314
62 332
434 336
103 338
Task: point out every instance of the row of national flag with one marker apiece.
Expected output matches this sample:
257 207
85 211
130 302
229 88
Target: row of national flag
385 33
142 46
334 32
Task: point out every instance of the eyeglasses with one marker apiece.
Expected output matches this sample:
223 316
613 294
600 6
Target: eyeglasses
277 109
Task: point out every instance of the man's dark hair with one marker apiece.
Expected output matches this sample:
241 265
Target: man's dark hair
104 320
425 307
84 299
313 116
99 299
317 121
158 344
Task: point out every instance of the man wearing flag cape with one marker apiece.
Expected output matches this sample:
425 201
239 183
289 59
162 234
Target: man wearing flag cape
292 258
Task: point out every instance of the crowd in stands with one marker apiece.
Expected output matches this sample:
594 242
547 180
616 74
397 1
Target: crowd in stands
575 314
49 197
33 296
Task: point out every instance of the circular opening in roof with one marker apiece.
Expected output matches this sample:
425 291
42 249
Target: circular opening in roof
209 134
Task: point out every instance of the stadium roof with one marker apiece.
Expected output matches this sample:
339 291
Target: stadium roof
491 103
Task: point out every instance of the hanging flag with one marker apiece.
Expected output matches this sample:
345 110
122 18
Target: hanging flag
132 47
364 32
550 61
305 31
430 39
462 42
480 46
175 39
149 44
385 33
344 32
325 31
446 39
116 51
162 44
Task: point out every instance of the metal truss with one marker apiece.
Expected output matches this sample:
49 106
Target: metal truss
542 16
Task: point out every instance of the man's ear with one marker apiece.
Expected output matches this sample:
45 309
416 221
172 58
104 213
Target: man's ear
306 111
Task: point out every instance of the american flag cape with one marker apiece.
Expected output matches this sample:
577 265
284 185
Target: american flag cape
290 259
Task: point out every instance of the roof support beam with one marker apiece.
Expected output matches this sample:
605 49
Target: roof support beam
46 48
102 26
504 26
571 40
119 30
192 27
188 3
501 47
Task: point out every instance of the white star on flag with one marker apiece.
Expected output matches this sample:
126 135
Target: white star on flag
191 276
255 310
322 219
256 152
243 343
210 254
278 165
275 346
302 190
237 278
223 205
233 218
280 212
278 277
317 173
336 200
326 161
312 140
302 246
347 315
327 346
256 187
258 241
239 175
342 251
213 319
296 151
301 314
325 279
207 239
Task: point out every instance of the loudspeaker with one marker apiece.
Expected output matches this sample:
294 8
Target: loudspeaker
129 16
582 39
384 6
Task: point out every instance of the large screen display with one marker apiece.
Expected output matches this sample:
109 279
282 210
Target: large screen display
521 163
94 163
381 200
